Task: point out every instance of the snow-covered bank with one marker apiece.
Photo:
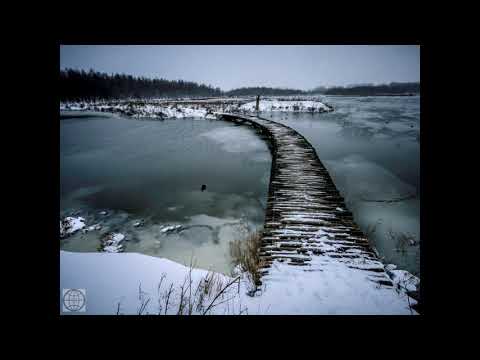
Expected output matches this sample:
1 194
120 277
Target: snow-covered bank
130 283
162 109
287 106
154 109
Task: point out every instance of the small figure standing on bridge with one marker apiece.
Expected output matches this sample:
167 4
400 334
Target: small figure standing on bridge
257 106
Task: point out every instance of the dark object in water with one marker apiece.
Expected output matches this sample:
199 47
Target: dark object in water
204 187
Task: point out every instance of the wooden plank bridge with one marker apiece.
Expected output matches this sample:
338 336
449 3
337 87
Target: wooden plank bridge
304 202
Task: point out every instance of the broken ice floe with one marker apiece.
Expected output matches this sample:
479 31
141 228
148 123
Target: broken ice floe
171 228
95 227
111 243
69 225
139 223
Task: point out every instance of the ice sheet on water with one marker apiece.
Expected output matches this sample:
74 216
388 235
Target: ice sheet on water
238 140
365 180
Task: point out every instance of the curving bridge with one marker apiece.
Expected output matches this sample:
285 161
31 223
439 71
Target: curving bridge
304 203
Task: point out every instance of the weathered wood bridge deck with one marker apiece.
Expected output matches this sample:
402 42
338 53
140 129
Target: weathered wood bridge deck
302 203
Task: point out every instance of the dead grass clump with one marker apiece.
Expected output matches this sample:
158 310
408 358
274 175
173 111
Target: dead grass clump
402 240
246 255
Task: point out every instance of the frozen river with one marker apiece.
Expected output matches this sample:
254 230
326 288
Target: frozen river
116 172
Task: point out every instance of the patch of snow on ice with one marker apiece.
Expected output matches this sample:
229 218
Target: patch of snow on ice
238 141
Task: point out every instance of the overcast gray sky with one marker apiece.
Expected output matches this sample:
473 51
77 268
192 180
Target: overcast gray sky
231 66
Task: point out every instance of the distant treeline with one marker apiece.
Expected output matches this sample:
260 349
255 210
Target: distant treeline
266 91
362 90
371 90
82 85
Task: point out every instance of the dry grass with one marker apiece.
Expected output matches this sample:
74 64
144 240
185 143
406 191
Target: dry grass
370 232
212 290
189 299
246 254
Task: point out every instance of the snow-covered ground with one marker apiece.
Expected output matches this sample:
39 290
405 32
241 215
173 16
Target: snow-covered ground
287 106
130 283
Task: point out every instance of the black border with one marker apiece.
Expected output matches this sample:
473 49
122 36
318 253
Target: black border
48 171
